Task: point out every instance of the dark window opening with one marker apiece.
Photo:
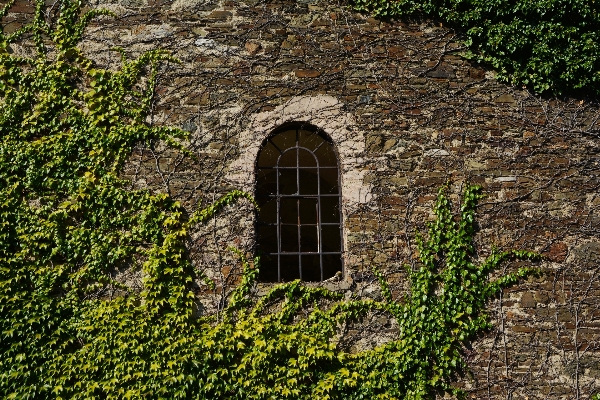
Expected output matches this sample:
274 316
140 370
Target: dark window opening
299 224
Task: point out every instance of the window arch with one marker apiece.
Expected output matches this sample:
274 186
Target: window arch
299 193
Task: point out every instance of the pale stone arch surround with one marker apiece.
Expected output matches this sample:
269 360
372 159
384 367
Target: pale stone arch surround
326 113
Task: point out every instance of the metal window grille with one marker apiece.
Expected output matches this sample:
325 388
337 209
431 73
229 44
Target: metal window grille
298 191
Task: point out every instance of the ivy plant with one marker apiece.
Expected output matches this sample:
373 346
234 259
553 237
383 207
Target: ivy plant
68 223
550 46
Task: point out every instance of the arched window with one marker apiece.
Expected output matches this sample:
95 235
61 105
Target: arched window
298 191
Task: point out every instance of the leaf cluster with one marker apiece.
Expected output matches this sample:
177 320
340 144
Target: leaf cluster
550 46
68 223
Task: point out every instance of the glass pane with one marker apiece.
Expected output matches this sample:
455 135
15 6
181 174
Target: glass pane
311 268
308 238
308 211
306 159
288 211
266 182
288 159
289 238
268 210
287 181
329 180
326 155
332 263
309 139
268 156
330 238
330 209
289 268
308 181
267 238
285 140
268 268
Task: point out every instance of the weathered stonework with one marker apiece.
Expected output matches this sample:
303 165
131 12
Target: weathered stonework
407 114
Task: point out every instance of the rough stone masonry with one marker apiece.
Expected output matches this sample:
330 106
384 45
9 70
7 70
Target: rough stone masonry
407 114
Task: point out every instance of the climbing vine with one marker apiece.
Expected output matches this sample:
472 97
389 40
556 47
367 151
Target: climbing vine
69 224
547 45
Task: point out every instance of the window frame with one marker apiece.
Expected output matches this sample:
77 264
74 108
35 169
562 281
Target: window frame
298 196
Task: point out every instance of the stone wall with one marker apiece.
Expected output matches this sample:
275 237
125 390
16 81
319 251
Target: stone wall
407 114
